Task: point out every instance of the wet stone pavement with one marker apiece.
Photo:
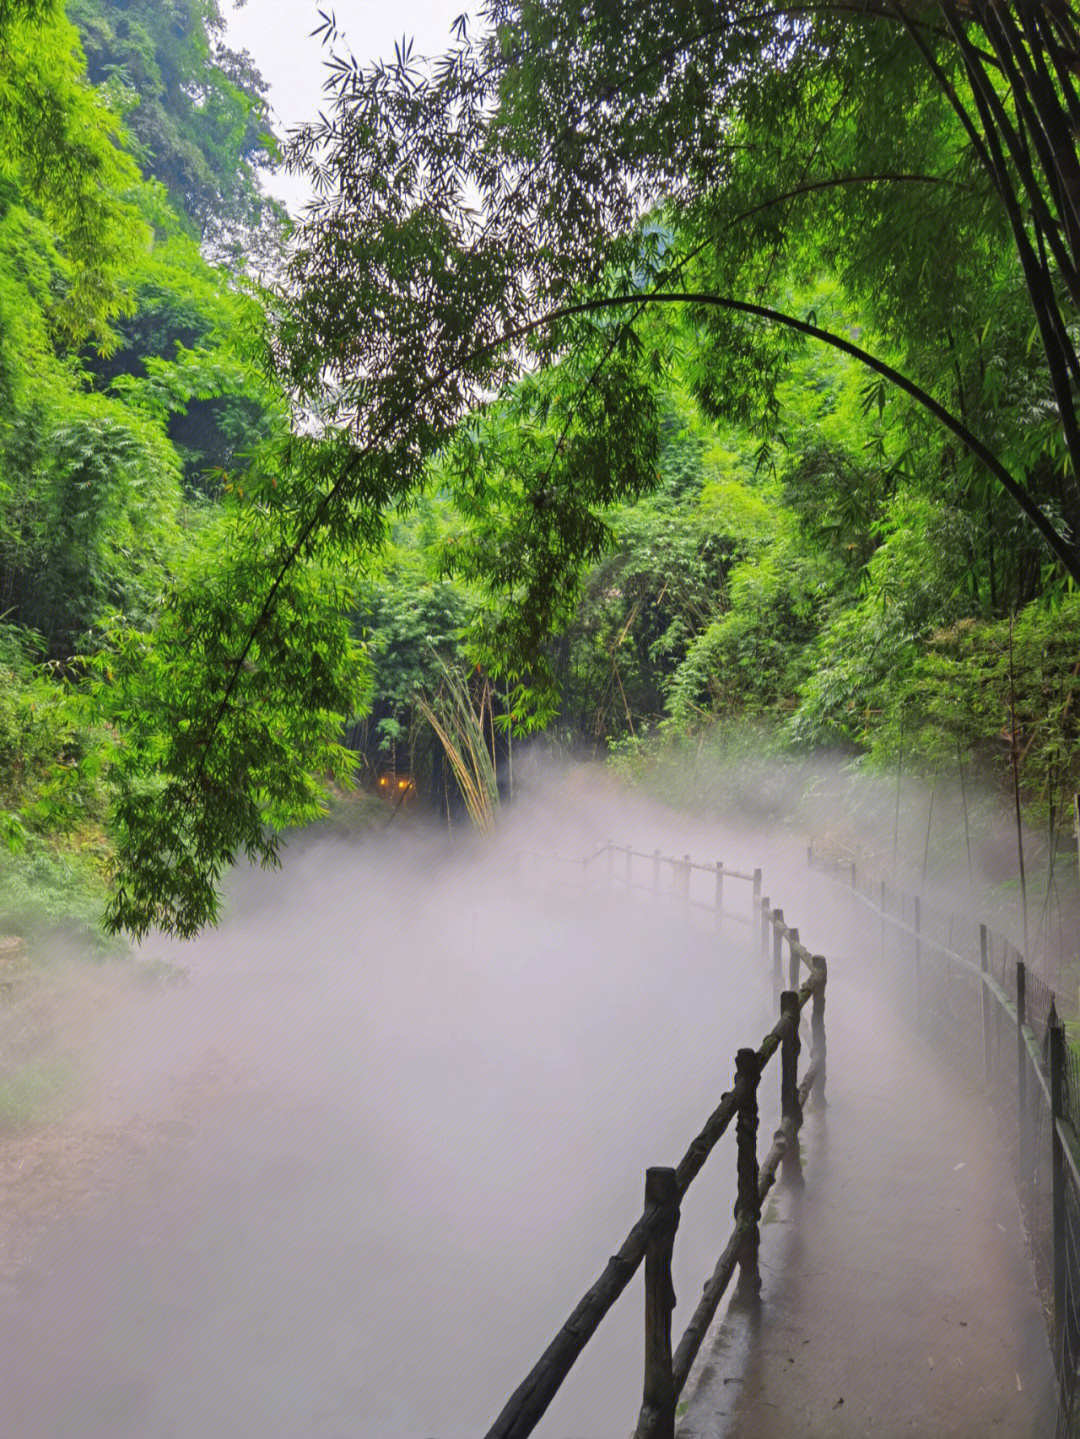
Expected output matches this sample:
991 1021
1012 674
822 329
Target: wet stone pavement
897 1295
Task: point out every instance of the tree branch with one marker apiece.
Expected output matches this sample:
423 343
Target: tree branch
1056 543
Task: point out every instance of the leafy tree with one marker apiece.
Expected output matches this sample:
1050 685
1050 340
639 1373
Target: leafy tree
89 492
188 357
644 602
58 146
573 123
197 785
516 252
411 618
195 111
128 362
90 520
52 801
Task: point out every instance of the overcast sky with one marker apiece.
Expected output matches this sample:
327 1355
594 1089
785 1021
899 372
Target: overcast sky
278 35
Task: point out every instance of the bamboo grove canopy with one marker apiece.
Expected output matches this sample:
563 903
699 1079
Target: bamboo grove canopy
512 247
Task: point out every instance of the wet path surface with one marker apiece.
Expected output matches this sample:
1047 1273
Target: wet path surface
898 1297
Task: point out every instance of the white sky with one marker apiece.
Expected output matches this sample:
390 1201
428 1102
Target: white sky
277 33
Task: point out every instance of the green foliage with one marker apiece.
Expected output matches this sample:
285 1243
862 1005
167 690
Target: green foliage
52 758
89 523
36 1092
556 278
458 723
225 712
133 395
645 600
195 111
865 660
189 355
533 480
412 621
58 145
691 163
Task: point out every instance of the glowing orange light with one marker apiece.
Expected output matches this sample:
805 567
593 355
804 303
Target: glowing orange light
402 783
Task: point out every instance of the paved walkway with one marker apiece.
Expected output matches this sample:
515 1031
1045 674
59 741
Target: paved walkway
898 1297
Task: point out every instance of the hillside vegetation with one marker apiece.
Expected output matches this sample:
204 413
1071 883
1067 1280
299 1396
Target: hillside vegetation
714 396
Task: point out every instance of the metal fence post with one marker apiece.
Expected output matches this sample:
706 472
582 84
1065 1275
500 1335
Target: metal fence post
793 959
657 1417
791 1165
817 1031
1057 1109
757 892
984 967
719 896
747 1204
1026 1174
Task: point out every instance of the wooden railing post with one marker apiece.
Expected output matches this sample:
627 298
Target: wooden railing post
793 959
817 1031
686 884
747 1203
757 894
765 913
656 876
984 967
719 896
1027 1175
918 962
791 1165
1057 1109
657 1417
777 947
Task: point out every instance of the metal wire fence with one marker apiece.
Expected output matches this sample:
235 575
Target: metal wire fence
967 989
1069 1425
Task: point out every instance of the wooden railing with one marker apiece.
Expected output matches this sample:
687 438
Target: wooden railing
651 1239
669 879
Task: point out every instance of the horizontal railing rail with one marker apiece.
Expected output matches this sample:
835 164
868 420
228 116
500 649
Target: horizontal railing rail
650 1241
669 877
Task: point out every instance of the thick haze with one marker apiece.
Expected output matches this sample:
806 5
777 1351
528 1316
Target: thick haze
369 1156
394 1122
